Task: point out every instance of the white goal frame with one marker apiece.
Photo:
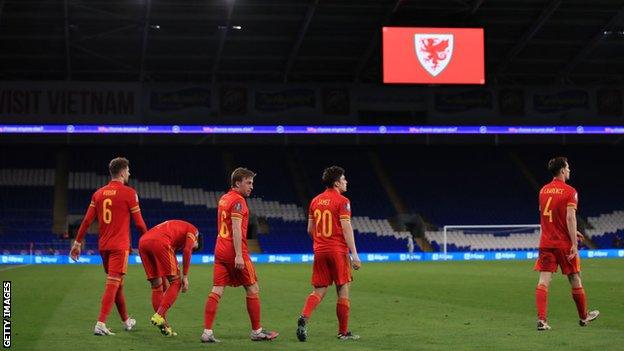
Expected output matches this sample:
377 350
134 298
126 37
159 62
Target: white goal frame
446 228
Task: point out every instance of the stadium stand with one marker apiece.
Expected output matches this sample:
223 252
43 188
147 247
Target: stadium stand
479 186
483 241
608 230
185 185
26 211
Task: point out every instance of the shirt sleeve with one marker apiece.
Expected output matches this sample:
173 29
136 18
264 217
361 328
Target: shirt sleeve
344 212
187 252
192 232
191 239
87 220
237 209
310 213
139 222
135 211
573 199
133 201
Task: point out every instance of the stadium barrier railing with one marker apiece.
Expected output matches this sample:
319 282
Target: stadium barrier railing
308 258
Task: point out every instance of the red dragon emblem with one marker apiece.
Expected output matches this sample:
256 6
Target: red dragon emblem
434 51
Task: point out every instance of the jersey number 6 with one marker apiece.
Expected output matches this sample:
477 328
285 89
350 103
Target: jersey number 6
107 214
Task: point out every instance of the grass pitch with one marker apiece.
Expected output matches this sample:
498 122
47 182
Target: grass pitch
394 306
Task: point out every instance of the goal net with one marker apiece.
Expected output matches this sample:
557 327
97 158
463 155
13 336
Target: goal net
500 237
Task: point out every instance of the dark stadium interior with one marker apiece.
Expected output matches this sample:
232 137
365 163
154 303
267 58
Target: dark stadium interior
527 42
444 115
471 184
315 62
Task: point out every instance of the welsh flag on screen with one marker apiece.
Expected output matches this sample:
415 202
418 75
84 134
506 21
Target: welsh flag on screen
433 55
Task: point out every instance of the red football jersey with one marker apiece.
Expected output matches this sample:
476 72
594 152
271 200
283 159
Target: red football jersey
327 210
232 204
113 204
554 199
178 235
173 232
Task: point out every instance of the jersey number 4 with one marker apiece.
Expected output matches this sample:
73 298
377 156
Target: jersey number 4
548 210
325 220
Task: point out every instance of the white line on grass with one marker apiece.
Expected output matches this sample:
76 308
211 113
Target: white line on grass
12 267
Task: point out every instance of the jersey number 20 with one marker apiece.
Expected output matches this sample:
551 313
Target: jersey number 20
325 220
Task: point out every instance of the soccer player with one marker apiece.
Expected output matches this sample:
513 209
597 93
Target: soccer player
558 243
233 265
157 249
113 204
329 226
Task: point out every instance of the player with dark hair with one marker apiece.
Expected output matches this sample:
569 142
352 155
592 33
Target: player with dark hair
558 243
329 226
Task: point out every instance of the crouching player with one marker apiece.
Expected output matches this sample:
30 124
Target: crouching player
157 248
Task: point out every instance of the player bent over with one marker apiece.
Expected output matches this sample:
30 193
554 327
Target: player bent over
157 249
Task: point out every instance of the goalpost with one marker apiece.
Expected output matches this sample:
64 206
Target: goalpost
488 227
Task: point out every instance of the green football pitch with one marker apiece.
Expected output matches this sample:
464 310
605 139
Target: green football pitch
394 306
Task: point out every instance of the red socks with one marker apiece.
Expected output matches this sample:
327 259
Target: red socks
157 295
342 312
578 294
110 292
169 297
212 303
541 301
120 301
253 309
310 305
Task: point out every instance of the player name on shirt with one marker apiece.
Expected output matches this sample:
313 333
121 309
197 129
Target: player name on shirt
558 191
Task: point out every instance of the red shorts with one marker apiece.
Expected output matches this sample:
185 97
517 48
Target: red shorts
550 258
115 261
158 259
225 274
331 267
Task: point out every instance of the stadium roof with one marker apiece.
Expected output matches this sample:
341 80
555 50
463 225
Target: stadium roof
527 42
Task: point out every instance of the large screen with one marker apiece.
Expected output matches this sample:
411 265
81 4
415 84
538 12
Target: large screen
433 55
